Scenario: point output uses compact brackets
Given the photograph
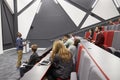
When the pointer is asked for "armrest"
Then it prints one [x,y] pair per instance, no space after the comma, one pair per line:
[73,76]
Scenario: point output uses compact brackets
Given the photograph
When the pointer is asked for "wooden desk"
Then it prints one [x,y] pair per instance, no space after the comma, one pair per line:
[37,72]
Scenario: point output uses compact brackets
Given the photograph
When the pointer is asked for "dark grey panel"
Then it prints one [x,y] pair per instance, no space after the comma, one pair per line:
[7,27]
[51,22]
[41,43]
[87,4]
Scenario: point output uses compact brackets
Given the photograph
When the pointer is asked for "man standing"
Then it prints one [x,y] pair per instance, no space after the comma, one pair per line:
[19,46]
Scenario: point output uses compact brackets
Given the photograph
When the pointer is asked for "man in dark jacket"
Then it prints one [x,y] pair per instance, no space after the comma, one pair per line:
[34,58]
[100,38]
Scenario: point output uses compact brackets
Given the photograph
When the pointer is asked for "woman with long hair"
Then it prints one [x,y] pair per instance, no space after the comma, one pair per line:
[62,61]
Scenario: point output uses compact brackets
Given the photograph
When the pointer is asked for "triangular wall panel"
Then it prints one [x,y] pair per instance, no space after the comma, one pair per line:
[22,3]
[10,4]
[90,21]
[73,12]
[26,18]
[105,9]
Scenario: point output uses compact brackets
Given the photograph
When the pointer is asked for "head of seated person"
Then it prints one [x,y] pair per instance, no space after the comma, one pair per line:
[110,22]
[119,21]
[34,48]
[66,37]
[34,58]
[76,42]
[60,50]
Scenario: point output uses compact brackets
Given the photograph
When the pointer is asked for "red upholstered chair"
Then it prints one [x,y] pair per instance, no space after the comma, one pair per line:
[87,34]
[103,28]
[105,35]
[78,57]
[94,36]
[108,38]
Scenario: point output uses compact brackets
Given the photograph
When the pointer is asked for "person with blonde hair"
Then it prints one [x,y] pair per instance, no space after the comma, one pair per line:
[62,61]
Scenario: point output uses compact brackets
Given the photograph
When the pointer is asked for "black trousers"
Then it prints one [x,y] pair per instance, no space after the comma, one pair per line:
[23,70]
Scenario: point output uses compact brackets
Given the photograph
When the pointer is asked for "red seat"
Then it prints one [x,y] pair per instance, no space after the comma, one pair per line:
[87,34]
[103,28]
[94,36]
[78,57]
[108,38]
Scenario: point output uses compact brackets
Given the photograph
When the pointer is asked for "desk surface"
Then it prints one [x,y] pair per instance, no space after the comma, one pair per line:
[109,63]
[37,72]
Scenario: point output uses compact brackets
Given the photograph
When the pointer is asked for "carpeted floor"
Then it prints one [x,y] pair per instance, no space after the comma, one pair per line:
[8,60]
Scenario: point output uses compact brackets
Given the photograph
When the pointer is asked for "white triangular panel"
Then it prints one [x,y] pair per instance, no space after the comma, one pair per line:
[10,4]
[105,9]
[73,12]
[22,3]
[26,18]
[89,21]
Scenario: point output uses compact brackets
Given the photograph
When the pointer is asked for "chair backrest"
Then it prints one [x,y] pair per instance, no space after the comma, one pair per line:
[117,27]
[108,38]
[95,74]
[85,66]
[87,34]
[116,39]
[78,57]
[94,36]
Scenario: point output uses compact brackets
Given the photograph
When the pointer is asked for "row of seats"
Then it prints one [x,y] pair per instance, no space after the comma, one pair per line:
[112,27]
[112,38]
[86,68]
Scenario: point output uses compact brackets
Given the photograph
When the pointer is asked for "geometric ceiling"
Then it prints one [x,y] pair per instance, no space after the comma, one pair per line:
[58,17]
[105,9]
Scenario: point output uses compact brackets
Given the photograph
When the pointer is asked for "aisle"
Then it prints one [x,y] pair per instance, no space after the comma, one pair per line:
[8,69]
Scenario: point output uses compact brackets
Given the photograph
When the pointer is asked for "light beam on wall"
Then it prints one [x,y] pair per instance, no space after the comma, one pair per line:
[39,6]
[55,1]
[10,5]
[94,3]
[116,3]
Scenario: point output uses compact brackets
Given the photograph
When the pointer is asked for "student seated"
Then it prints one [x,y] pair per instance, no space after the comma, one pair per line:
[34,58]
[110,22]
[67,40]
[73,49]
[62,63]
[100,38]
[91,35]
